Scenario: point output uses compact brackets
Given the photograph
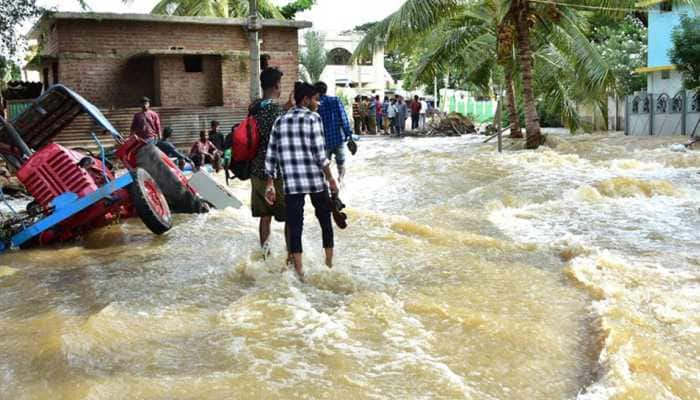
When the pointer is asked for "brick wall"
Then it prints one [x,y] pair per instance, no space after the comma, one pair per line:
[96,58]
[129,37]
[49,39]
[179,88]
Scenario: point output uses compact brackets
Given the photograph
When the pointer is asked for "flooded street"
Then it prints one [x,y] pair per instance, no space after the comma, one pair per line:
[554,274]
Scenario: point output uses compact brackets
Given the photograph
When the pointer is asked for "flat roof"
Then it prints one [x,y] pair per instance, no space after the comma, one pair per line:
[171,19]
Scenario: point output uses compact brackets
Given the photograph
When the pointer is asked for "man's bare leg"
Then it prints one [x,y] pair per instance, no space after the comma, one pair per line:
[290,257]
[264,231]
[298,266]
[329,257]
[341,172]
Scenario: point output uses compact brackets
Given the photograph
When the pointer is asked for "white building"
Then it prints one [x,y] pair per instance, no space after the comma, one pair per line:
[364,77]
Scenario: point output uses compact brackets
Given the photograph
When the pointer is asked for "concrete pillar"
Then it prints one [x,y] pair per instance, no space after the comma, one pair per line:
[378,66]
[254,27]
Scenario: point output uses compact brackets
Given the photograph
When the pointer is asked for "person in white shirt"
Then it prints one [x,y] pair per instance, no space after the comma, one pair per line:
[423,112]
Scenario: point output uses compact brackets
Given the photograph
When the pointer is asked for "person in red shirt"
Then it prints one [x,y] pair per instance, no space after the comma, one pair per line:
[415,112]
[146,123]
[203,151]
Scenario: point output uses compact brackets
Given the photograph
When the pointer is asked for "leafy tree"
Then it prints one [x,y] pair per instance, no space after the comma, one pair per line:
[314,57]
[521,26]
[685,53]
[623,45]
[229,8]
[12,14]
[290,10]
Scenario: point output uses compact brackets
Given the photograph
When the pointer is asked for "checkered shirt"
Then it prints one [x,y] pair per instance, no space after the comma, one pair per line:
[335,122]
[297,147]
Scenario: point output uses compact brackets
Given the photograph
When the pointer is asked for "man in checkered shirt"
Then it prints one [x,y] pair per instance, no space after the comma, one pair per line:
[297,147]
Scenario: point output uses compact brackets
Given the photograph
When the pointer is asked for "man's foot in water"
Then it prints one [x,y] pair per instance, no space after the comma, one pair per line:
[296,262]
[266,252]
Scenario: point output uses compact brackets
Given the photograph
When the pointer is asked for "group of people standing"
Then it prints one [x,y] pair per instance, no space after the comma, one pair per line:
[208,149]
[373,116]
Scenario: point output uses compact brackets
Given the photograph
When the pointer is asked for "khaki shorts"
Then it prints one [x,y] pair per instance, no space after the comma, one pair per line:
[259,205]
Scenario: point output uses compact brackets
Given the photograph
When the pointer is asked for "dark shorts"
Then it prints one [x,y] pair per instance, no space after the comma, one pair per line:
[259,205]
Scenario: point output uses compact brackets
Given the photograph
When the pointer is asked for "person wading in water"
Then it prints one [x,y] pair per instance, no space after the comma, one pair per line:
[297,148]
[336,127]
[266,111]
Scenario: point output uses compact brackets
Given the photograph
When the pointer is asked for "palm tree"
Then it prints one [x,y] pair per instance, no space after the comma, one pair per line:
[515,21]
[229,8]
[313,58]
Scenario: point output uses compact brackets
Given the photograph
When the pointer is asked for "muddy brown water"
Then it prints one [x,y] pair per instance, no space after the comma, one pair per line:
[553,274]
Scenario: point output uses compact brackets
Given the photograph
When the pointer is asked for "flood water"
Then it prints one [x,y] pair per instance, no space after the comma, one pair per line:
[553,274]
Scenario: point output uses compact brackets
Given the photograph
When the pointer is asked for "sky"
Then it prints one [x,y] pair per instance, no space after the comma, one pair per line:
[333,15]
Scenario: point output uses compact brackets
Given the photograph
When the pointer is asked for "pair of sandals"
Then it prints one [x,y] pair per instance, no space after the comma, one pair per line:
[337,206]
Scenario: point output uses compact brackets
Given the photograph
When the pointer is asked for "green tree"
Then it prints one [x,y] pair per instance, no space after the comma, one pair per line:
[12,14]
[685,53]
[314,57]
[623,45]
[229,8]
[516,22]
[289,11]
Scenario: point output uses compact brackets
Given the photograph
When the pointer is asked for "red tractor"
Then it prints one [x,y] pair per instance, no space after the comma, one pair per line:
[75,192]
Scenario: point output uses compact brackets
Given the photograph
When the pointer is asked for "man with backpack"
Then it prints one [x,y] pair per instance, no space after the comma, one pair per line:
[265,111]
[336,127]
[297,148]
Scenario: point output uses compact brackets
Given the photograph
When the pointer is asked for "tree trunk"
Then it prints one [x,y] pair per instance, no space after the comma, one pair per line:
[532,123]
[515,130]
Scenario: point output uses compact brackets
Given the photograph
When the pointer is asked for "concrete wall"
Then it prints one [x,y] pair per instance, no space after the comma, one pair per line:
[657,84]
[662,114]
[661,26]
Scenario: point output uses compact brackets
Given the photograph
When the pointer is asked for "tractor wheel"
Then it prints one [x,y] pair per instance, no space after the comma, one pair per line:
[149,202]
[170,180]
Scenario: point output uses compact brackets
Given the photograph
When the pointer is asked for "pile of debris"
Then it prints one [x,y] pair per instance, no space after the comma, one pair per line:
[10,185]
[452,124]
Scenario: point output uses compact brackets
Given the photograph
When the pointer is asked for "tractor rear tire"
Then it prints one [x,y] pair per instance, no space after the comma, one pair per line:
[180,199]
[149,202]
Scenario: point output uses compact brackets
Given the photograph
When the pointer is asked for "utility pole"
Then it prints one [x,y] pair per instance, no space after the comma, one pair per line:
[254,27]
[435,91]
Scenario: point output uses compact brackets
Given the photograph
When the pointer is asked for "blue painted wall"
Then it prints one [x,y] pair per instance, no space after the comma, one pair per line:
[661,26]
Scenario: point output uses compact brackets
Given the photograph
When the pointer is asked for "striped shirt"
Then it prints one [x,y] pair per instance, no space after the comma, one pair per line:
[297,147]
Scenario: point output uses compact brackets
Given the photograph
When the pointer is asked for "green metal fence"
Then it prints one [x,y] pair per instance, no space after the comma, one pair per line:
[16,107]
[481,111]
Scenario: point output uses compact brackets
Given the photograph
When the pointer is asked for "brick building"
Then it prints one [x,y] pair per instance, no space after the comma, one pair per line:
[194,69]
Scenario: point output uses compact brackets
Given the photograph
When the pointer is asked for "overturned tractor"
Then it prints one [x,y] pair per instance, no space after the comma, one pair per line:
[74,192]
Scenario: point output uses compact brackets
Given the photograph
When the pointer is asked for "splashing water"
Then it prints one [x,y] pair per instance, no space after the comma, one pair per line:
[553,274]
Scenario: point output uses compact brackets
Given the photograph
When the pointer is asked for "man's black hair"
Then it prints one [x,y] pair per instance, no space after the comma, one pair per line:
[321,87]
[270,77]
[215,123]
[303,90]
[167,132]
[264,61]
